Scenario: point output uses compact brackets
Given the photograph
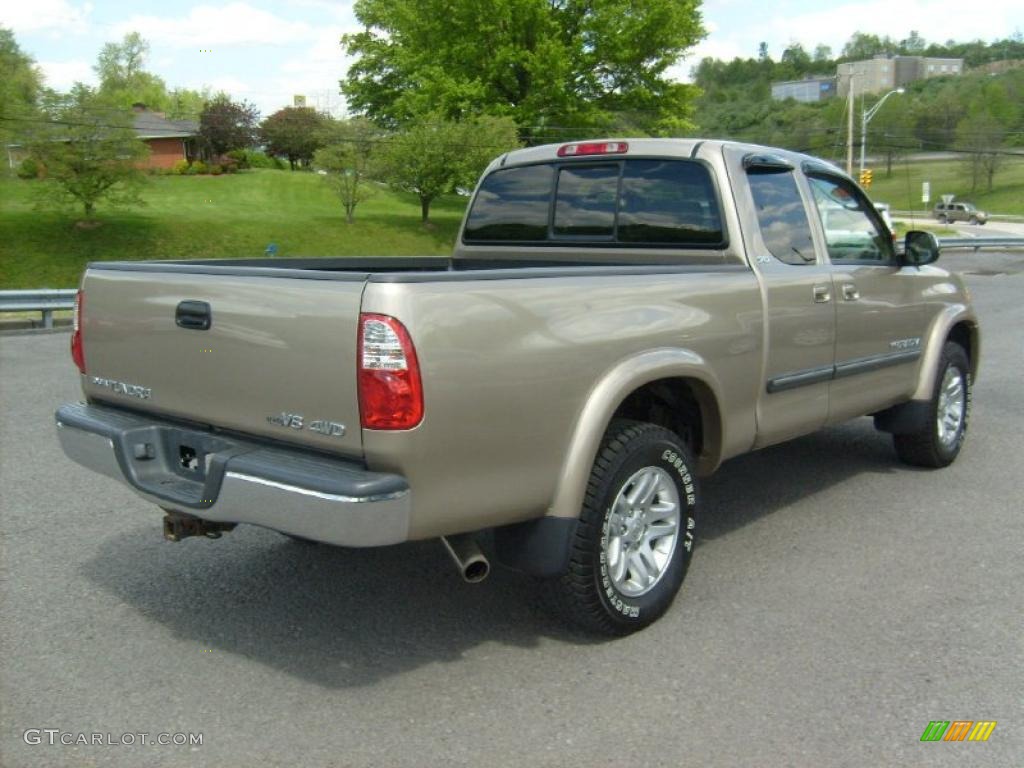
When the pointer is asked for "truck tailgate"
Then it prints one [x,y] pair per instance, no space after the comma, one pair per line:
[278,360]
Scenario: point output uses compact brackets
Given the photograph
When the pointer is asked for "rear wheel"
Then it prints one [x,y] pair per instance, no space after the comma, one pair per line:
[942,218]
[635,535]
[939,441]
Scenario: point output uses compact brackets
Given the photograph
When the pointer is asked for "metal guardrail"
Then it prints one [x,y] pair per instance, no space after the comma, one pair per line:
[981,242]
[45,300]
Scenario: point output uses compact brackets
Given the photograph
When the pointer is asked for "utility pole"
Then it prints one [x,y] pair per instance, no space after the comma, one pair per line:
[849,129]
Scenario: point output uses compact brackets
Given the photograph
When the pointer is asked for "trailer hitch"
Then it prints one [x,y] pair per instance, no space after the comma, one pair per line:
[178,526]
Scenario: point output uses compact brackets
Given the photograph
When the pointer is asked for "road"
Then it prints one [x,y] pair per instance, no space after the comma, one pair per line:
[837,603]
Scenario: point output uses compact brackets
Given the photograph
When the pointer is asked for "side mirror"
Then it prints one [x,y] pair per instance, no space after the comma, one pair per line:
[920,248]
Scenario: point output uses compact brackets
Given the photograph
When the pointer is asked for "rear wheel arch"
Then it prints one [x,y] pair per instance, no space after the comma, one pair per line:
[685,406]
[637,388]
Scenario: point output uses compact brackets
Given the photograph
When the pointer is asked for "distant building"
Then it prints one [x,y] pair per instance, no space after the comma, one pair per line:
[807,90]
[885,73]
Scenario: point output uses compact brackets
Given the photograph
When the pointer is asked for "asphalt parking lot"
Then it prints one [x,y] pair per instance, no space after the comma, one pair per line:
[838,602]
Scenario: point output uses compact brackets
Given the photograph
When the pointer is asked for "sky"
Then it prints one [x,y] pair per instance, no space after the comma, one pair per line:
[266,52]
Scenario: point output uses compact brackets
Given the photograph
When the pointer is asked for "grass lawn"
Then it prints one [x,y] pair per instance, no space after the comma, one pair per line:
[950,177]
[214,217]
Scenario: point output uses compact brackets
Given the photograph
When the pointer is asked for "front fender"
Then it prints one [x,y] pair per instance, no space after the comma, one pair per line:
[944,322]
[607,395]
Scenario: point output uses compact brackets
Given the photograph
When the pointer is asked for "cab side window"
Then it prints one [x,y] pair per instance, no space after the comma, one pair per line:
[852,232]
[785,228]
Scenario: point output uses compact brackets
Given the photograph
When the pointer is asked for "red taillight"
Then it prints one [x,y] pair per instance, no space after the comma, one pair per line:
[390,390]
[593,148]
[77,350]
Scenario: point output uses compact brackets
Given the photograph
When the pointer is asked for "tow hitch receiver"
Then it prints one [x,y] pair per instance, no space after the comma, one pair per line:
[178,526]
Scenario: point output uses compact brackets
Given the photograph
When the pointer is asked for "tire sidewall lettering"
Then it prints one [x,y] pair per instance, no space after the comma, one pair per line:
[669,459]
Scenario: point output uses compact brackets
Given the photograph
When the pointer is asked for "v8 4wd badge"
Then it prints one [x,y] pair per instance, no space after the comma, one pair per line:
[298,421]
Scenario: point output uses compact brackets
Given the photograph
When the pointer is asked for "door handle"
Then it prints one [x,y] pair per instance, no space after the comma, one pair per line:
[194,315]
[822,294]
[850,292]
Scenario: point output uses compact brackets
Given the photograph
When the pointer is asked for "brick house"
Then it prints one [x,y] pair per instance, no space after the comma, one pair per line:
[168,140]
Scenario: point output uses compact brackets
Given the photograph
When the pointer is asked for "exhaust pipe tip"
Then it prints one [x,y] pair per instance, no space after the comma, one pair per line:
[470,561]
[476,571]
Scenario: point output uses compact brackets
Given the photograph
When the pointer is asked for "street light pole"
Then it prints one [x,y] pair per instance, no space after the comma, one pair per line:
[865,118]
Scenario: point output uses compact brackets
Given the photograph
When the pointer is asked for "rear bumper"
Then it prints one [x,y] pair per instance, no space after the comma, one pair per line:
[224,479]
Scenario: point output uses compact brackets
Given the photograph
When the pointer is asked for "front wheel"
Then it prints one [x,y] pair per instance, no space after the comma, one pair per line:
[635,535]
[939,441]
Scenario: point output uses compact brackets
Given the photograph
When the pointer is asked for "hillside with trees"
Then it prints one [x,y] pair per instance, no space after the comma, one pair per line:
[979,113]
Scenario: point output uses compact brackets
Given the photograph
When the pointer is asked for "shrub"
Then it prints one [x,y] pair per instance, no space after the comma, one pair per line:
[28,169]
[180,167]
[241,158]
[216,170]
[197,167]
[263,160]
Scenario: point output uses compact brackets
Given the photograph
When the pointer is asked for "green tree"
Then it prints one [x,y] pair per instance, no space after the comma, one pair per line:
[347,161]
[20,88]
[123,79]
[294,132]
[434,156]
[549,64]
[913,44]
[225,125]
[89,152]
[981,136]
[797,58]
[863,46]
[186,104]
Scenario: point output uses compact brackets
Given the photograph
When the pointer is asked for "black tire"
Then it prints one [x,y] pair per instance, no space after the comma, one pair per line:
[926,448]
[585,594]
[974,220]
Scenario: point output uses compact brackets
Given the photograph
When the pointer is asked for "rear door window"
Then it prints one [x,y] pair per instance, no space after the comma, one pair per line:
[782,217]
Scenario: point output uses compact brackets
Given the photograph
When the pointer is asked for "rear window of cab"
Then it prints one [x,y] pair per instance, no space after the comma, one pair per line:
[642,202]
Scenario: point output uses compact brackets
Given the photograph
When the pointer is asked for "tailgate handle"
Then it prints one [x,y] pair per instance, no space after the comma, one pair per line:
[194,315]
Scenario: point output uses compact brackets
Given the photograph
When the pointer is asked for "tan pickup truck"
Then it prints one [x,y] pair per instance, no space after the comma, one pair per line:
[618,318]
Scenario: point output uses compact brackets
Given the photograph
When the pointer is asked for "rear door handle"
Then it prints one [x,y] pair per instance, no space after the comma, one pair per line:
[822,294]
[850,292]
[193,315]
